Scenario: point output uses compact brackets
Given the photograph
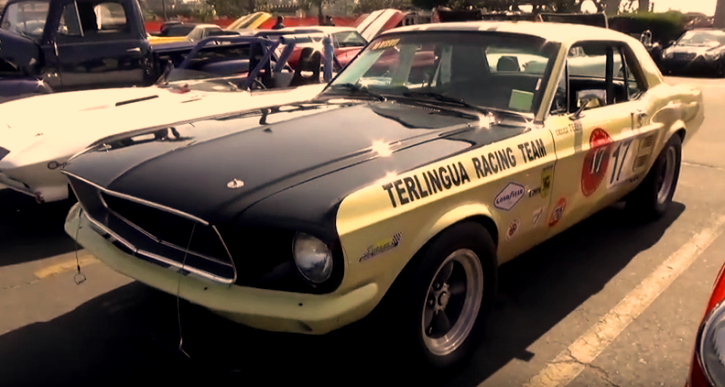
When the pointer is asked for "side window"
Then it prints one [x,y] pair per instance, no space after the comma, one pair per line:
[70,24]
[629,71]
[106,17]
[590,79]
[111,17]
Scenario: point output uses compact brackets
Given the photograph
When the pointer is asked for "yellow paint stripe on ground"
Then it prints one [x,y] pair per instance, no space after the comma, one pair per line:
[574,359]
[84,259]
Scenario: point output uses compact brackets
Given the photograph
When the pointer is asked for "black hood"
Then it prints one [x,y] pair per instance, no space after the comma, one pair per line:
[19,51]
[215,168]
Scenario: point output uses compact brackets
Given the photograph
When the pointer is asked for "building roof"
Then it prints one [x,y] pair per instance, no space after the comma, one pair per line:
[557,32]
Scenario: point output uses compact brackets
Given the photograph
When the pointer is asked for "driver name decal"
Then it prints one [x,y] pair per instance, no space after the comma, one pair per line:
[383,44]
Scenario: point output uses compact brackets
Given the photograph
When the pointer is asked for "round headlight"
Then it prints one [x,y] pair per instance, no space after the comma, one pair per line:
[313,258]
[712,347]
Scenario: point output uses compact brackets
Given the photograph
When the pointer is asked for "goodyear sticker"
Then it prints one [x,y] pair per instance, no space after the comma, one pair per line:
[382,246]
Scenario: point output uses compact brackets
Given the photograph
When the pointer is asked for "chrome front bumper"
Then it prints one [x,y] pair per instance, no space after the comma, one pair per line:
[263,309]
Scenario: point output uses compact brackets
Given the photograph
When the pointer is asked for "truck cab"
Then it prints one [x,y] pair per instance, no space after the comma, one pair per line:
[76,44]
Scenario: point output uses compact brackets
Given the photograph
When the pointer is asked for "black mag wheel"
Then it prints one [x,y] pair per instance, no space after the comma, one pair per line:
[435,311]
[649,201]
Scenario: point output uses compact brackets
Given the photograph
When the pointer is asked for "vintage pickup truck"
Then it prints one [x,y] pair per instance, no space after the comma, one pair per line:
[66,45]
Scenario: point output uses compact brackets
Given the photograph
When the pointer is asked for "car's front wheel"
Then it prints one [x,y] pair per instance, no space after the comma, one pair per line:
[650,200]
[443,296]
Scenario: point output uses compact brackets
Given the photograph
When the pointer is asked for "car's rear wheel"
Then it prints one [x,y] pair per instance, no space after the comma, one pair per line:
[650,200]
[440,302]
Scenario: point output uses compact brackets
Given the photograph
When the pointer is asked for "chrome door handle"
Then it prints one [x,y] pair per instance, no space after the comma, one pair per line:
[135,49]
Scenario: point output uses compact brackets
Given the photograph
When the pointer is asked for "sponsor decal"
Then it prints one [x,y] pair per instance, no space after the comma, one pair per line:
[596,161]
[446,177]
[382,246]
[558,212]
[426,183]
[546,176]
[509,196]
[536,217]
[513,228]
[383,44]
[574,127]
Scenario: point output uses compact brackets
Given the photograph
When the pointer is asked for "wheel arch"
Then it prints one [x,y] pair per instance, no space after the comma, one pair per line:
[476,213]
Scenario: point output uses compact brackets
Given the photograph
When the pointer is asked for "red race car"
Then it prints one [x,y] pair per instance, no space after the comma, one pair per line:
[708,363]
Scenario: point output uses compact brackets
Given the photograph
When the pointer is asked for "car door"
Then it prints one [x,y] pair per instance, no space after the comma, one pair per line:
[99,48]
[603,146]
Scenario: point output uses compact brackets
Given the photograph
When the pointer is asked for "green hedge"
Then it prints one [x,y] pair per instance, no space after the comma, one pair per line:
[665,26]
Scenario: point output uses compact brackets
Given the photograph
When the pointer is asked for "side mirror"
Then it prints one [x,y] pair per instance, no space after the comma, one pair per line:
[585,97]
[671,43]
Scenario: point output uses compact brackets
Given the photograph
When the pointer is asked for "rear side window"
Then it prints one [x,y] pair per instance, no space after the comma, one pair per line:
[87,17]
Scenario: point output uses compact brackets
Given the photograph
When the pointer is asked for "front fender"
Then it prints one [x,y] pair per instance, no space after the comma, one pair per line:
[17,88]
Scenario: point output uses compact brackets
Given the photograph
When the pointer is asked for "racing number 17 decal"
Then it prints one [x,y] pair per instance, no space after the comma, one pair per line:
[596,161]
[622,163]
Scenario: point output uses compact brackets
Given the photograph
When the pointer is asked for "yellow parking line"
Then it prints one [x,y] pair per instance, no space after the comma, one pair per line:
[573,360]
[84,259]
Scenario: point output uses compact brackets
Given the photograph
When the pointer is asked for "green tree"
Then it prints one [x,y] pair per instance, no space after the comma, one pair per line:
[232,8]
[319,5]
[367,6]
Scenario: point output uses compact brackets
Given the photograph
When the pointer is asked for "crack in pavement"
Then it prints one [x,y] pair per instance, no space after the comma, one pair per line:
[601,372]
[18,286]
[701,165]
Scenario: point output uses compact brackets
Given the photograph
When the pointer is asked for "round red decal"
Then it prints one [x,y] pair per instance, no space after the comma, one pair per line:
[596,161]
[558,212]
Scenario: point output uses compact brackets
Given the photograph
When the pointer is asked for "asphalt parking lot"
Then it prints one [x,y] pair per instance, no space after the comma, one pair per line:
[112,331]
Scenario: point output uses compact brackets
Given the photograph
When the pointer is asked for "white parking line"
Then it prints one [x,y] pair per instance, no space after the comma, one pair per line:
[575,358]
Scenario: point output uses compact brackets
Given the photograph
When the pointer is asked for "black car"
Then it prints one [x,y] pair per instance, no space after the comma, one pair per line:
[699,51]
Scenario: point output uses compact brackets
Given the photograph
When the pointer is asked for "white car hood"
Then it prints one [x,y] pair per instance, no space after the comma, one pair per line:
[56,126]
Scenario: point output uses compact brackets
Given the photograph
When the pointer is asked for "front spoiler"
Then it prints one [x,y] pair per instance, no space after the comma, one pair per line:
[263,309]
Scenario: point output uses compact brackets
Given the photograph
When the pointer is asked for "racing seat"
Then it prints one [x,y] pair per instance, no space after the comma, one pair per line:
[310,61]
[508,63]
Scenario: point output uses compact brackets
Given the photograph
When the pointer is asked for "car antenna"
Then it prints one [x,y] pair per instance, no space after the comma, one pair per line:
[79,277]
[178,292]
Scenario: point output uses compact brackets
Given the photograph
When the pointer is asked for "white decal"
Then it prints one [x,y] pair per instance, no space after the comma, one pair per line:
[537,216]
[509,196]
[627,158]
[513,228]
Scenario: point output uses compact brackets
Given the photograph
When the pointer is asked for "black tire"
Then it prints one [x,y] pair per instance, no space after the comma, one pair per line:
[650,200]
[404,306]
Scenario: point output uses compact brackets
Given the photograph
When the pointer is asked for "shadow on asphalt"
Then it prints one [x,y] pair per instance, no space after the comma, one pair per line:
[23,223]
[129,334]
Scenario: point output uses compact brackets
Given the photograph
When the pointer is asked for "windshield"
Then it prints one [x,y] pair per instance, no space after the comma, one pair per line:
[349,39]
[175,31]
[26,18]
[702,38]
[488,70]
[221,68]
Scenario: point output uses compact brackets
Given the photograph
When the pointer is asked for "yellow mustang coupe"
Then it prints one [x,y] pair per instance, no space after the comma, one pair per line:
[434,157]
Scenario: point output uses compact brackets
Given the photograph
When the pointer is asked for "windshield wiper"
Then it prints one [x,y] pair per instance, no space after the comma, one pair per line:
[458,101]
[441,97]
[357,88]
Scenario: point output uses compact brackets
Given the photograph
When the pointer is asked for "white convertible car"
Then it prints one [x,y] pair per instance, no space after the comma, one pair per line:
[38,134]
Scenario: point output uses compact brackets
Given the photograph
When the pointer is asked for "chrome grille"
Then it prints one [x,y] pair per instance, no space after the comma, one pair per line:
[683,56]
[155,234]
